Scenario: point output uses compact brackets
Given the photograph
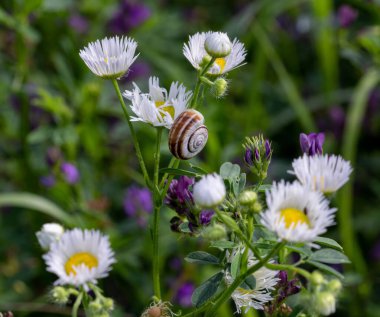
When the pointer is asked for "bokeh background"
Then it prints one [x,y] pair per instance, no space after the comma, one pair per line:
[312,65]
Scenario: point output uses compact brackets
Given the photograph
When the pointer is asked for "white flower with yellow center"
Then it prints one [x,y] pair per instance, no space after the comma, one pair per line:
[255,298]
[296,213]
[109,58]
[196,53]
[158,107]
[80,257]
[324,173]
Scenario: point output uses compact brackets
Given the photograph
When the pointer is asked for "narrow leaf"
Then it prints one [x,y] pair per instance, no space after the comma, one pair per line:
[235,265]
[206,290]
[178,171]
[223,244]
[326,242]
[201,257]
[330,256]
[326,268]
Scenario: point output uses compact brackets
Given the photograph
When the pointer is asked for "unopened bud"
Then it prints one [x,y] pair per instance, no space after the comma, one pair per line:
[214,232]
[220,87]
[257,207]
[248,198]
[205,61]
[325,303]
[108,303]
[334,286]
[317,278]
[95,306]
[218,45]
[49,233]
[60,295]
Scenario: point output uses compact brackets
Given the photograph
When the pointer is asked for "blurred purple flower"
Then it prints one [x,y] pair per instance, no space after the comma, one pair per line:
[138,203]
[312,143]
[129,15]
[137,70]
[78,23]
[53,156]
[205,217]
[346,15]
[47,181]
[70,173]
[375,252]
[183,296]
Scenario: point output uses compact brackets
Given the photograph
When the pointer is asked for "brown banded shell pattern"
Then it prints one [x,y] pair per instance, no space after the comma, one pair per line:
[188,135]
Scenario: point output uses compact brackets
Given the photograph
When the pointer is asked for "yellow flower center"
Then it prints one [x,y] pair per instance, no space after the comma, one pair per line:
[168,108]
[221,62]
[80,258]
[294,216]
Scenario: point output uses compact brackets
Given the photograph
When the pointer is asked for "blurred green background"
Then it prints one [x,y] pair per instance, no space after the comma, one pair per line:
[312,65]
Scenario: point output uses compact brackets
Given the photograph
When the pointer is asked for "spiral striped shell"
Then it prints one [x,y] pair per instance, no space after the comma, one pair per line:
[188,135]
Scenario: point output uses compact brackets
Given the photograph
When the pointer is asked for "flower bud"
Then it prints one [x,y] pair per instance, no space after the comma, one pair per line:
[218,45]
[312,143]
[209,191]
[50,232]
[205,61]
[95,306]
[60,295]
[248,198]
[334,286]
[214,232]
[220,87]
[257,207]
[108,303]
[258,154]
[317,278]
[324,303]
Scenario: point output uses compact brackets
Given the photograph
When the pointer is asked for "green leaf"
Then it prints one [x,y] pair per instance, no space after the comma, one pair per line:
[235,265]
[206,290]
[223,244]
[230,171]
[325,268]
[242,181]
[201,257]
[305,250]
[296,311]
[326,242]
[264,188]
[199,170]
[330,256]
[178,171]
[249,283]
[35,202]
[184,227]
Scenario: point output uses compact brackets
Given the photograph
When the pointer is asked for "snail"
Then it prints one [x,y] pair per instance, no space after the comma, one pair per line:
[188,135]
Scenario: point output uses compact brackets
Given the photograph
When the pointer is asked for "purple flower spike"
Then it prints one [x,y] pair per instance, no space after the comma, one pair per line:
[346,15]
[283,276]
[268,150]
[70,173]
[312,144]
[179,196]
[257,155]
[205,217]
[47,181]
[183,296]
[248,157]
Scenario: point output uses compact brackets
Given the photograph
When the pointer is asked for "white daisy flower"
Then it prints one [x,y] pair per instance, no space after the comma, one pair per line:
[158,107]
[196,53]
[80,257]
[109,58]
[295,213]
[266,280]
[209,191]
[324,173]
[49,233]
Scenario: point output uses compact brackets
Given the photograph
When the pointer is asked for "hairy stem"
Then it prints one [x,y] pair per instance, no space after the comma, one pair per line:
[77,303]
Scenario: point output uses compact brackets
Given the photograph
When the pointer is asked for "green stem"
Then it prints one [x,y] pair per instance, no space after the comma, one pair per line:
[228,292]
[156,218]
[133,133]
[172,162]
[194,99]
[286,267]
[169,179]
[77,304]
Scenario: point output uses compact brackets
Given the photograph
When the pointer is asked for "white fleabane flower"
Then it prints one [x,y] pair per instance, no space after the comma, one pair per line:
[158,107]
[80,257]
[196,53]
[296,213]
[218,44]
[109,58]
[324,173]
[209,191]
[255,298]
[49,233]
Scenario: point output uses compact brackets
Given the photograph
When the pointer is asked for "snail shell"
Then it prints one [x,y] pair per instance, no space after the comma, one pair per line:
[188,135]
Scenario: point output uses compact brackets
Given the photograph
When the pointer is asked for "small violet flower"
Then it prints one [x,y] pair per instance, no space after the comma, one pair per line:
[138,203]
[70,173]
[346,15]
[312,143]
[184,293]
[179,196]
[205,217]
[47,181]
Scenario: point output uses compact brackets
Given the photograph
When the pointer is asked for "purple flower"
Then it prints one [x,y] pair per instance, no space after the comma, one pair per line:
[78,23]
[183,296]
[205,217]
[138,203]
[137,70]
[179,196]
[70,173]
[375,252]
[47,181]
[248,156]
[346,15]
[129,15]
[268,150]
[312,144]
